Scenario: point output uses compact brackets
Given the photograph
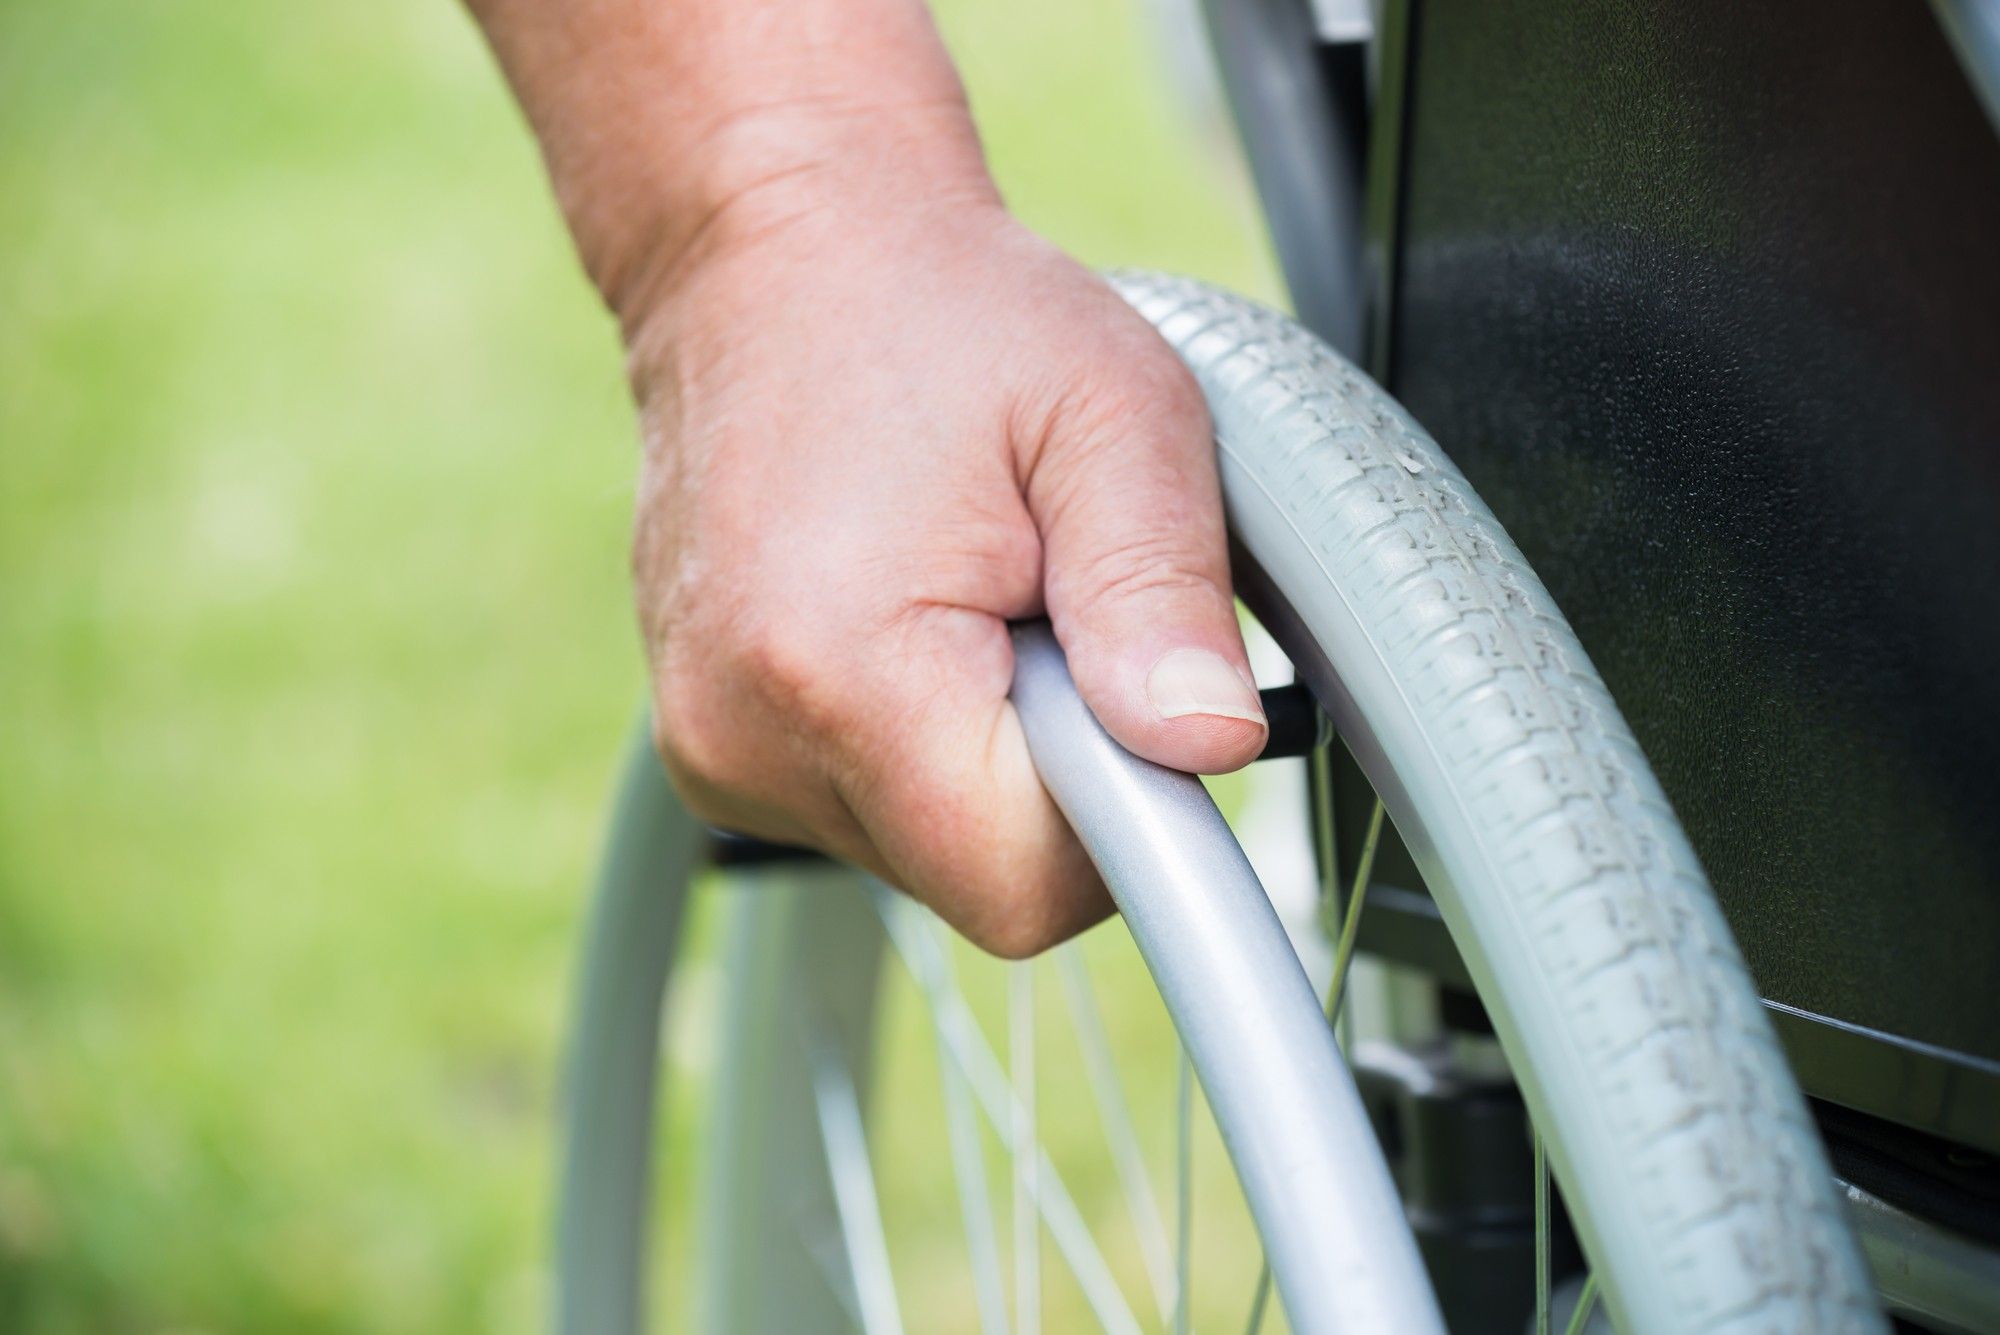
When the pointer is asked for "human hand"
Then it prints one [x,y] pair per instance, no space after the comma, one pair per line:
[877,429]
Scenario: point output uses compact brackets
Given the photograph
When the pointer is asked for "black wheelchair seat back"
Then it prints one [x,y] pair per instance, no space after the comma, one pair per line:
[1705,300]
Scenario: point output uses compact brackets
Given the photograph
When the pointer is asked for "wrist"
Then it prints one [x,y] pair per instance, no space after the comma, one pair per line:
[669,123]
[759,174]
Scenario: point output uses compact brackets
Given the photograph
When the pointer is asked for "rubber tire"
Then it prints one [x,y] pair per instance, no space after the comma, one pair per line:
[1698,1185]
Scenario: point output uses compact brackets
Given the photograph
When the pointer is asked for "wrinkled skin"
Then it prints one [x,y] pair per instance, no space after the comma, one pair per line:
[856,474]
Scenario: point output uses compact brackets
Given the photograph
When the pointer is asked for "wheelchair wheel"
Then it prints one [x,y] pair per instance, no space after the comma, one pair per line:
[1696,1183]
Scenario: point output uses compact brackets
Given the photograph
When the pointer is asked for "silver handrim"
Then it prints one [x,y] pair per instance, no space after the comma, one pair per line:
[1330,1217]
[792,1231]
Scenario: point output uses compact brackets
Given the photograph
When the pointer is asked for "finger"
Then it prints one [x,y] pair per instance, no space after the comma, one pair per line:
[1137,570]
[944,786]
[807,816]
[738,767]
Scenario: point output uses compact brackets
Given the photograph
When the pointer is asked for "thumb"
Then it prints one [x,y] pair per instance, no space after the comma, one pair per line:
[1136,571]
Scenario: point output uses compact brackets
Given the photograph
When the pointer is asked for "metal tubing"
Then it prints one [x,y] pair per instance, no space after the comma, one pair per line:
[1286,1105]
[1973,28]
[1924,1272]
[1301,109]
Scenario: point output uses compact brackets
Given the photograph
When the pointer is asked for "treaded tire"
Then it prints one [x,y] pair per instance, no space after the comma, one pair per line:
[1684,1149]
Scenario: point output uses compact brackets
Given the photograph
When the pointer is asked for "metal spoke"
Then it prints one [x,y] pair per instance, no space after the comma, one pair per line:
[1350,926]
[917,943]
[829,1258]
[1116,1118]
[1259,1300]
[1586,1302]
[854,1191]
[1023,1147]
[1541,1236]
[1319,779]
[968,1167]
[1184,1199]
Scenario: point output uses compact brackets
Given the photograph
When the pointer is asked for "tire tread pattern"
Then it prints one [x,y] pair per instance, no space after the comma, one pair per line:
[1691,1153]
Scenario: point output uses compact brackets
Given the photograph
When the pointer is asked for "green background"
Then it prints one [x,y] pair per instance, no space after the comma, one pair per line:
[315,656]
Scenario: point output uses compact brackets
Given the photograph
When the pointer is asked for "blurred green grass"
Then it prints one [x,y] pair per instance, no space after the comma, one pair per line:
[314,650]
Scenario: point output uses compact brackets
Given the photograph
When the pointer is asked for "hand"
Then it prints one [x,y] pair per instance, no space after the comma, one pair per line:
[879,425]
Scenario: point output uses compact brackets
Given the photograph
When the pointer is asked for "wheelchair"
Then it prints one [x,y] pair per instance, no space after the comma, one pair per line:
[1647,734]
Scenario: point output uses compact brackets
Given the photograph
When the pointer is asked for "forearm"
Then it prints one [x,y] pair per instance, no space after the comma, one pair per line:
[659,117]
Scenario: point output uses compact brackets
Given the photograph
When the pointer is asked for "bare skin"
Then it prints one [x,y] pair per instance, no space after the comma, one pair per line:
[881,420]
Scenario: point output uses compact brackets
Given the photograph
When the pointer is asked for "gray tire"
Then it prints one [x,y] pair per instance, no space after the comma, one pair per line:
[1683,1147]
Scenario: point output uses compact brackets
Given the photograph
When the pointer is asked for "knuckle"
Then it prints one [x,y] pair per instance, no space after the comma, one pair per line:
[1156,390]
[1018,936]
[781,662]
[1034,908]
[685,732]
[1143,393]
[703,800]
[1149,564]
[705,804]
[1174,393]
[745,694]
[1006,550]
